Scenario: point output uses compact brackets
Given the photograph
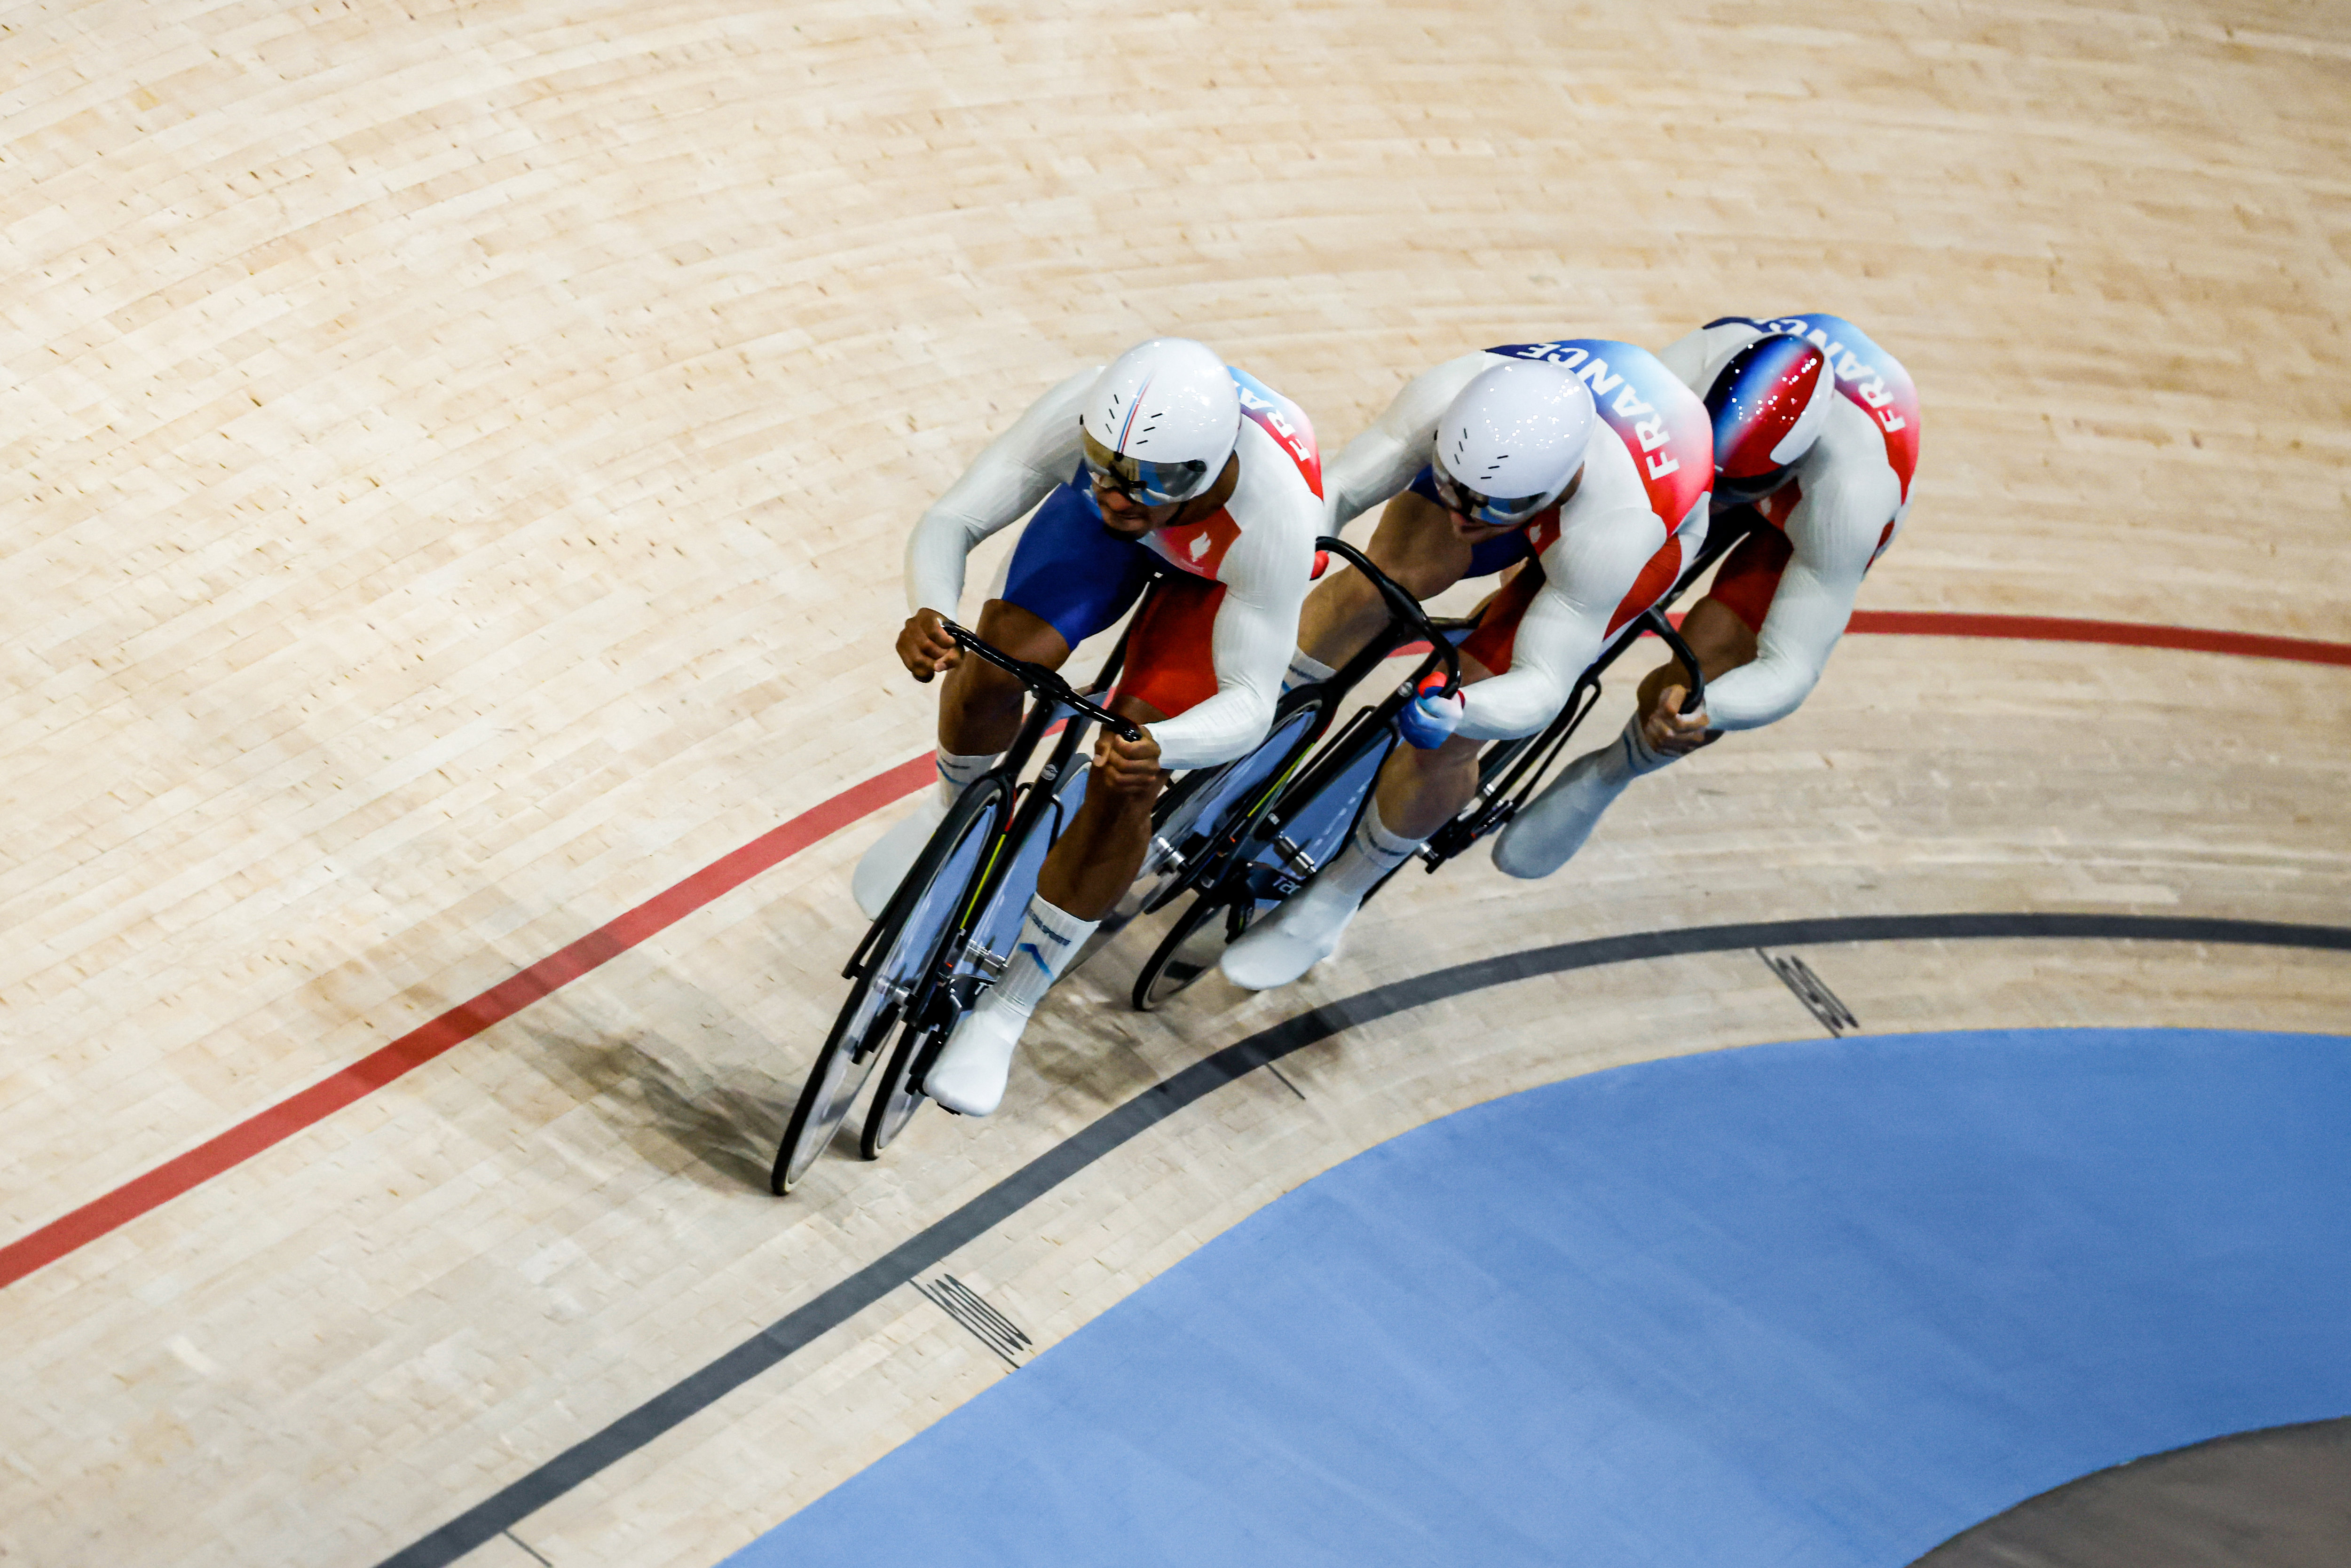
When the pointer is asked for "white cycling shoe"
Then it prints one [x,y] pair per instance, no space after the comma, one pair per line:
[1292,940]
[886,865]
[1545,835]
[977,1061]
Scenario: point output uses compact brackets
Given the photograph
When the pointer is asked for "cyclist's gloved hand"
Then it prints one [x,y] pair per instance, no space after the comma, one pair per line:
[1429,720]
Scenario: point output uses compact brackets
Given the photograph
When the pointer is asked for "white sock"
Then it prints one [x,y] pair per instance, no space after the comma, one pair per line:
[1304,669]
[1049,937]
[957,774]
[1371,854]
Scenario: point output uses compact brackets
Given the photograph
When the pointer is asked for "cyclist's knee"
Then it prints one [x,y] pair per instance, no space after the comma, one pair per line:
[1346,594]
[1425,768]
[975,683]
[1109,801]
[1422,573]
[1655,681]
[1023,634]
[1416,546]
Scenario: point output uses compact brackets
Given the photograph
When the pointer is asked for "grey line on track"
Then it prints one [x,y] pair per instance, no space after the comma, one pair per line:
[837,1304]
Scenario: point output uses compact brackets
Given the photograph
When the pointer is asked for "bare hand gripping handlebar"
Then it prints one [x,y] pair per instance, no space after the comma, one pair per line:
[1656,623]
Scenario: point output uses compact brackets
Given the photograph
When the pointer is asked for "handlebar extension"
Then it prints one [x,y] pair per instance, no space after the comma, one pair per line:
[1401,605]
[1045,683]
[1695,699]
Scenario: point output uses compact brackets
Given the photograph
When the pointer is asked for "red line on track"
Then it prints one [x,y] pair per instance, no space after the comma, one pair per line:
[454,1028]
[2060,629]
[502,1002]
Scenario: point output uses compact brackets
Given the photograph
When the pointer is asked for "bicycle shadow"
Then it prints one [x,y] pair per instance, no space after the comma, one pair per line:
[715,1125]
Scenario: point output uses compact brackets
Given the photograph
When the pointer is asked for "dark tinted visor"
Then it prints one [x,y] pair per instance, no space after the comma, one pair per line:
[1495,511]
[1148,484]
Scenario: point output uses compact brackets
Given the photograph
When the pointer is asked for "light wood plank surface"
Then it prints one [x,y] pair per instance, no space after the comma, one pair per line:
[459,458]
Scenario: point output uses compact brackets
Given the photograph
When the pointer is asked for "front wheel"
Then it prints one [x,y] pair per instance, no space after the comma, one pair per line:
[895,1102]
[904,951]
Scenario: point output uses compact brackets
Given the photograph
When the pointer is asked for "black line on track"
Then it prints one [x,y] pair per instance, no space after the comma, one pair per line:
[836,1305]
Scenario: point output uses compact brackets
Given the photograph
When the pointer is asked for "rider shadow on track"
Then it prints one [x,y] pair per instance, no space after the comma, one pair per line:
[1087,1042]
[715,1125]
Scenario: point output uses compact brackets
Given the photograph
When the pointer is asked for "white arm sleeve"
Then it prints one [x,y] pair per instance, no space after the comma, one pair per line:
[1252,645]
[1265,578]
[1382,461]
[1697,358]
[1834,530]
[1686,358]
[1586,575]
[1019,469]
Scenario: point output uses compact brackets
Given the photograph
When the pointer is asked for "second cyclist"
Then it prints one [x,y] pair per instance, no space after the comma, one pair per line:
[1583,466]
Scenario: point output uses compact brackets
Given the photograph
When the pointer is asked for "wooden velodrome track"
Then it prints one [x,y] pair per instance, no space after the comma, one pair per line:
[459,458]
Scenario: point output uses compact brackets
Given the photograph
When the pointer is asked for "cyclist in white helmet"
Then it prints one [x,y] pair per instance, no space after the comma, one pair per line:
[1582,467]
[1815,439]
[1167,455]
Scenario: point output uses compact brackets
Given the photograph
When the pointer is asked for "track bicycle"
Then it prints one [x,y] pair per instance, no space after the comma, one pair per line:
[1509,773]
[1206,817]
[1297,833]
[947,931]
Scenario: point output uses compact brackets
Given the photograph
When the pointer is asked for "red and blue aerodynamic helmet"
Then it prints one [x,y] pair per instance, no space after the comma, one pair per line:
[1768,405]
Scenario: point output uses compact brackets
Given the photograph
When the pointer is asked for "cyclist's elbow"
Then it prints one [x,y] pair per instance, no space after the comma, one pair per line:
[1252,718]
[1502,709]
[1761,692]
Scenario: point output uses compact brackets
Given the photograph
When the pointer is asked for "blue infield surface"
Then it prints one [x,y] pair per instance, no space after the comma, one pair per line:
[1822,1303]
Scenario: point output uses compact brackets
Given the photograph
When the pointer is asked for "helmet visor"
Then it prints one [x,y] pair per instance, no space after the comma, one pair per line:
[1494,511]
[1146,482]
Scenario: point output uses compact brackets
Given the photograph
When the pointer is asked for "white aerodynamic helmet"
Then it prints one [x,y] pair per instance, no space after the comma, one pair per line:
[1510,441]
[1160,421]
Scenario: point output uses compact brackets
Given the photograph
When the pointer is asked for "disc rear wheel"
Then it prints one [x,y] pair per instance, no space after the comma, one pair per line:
[1208,925]
[1184,845]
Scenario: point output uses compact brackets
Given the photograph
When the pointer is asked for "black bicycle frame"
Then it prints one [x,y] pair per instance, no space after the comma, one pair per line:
[1508,773]
[1054,696]
[1407,621]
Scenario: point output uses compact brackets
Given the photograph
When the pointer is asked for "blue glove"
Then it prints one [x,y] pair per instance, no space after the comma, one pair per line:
[1429,720]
